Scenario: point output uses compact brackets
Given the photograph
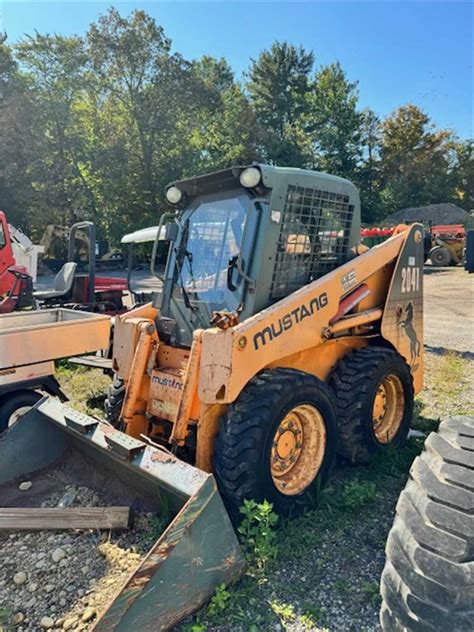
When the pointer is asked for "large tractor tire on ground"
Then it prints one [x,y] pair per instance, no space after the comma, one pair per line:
[114,401]
[440,256]
[374,400]
[277,442]
[14,405]
[428,580]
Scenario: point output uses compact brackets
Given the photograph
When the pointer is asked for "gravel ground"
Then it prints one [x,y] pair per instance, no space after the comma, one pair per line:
[449,309]
[63,580]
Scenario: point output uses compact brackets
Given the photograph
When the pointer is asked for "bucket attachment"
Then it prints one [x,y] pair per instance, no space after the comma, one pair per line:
[198,550]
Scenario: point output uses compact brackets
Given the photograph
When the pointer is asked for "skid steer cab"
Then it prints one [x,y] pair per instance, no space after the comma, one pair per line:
[277,339]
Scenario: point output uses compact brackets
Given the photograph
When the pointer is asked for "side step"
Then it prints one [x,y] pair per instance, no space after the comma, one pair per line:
[197,551]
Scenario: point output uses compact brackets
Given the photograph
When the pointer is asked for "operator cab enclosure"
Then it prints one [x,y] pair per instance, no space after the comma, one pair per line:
[249,236]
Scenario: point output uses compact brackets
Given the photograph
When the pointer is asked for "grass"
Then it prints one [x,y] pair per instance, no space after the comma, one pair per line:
[449,386]
[448,378]
[261,601]
[86,388]
[371,592]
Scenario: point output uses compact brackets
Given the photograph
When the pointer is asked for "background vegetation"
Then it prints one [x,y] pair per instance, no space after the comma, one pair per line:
[94,127]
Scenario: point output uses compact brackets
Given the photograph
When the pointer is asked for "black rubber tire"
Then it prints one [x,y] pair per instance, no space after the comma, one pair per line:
[355,381]
[440,256]
[243,445]
[428,580]
[12,402]
[114,401]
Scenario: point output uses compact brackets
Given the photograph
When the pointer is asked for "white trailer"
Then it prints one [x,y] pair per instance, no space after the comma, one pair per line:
[30,342]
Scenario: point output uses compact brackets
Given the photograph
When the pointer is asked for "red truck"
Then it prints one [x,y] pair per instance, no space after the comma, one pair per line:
[16,285]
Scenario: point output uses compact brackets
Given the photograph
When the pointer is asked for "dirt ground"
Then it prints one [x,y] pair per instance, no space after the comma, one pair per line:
[449,310]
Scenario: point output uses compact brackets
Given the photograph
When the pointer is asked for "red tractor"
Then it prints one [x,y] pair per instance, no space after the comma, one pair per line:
[84,290]
[72,288]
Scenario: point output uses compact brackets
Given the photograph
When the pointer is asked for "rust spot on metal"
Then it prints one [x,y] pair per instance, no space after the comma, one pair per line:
[163,457]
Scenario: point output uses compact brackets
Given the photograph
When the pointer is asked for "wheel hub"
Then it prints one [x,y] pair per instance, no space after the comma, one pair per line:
[380,404]
[388,408]
[298,449]
[286,448]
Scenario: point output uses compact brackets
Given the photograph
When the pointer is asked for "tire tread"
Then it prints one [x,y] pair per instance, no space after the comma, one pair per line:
[352,381]
[428,579]
[241,430]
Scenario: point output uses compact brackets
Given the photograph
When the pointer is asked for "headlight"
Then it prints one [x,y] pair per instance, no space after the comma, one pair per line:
[174,195]
[250,177]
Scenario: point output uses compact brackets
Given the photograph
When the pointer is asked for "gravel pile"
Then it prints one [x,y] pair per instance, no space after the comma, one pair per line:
[51,580]
[445,213]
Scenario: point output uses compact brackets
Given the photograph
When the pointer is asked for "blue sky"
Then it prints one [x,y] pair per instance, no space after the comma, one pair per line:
[399,51]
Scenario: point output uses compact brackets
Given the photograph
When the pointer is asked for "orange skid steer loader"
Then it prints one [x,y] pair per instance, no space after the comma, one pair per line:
[277,339]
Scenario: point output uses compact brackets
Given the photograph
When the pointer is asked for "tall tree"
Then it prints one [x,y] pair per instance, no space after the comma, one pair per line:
[416,160]
[215,74]
[336,122]
[463,173]
[279,83]
[18,139]
[55,67]
[135,69]
[368,171]
[96,127]
[227,132]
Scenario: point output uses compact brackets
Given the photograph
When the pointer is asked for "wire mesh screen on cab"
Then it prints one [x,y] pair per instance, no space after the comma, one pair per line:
[313,240]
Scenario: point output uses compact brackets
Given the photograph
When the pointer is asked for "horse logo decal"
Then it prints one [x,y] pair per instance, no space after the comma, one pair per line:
[405,321]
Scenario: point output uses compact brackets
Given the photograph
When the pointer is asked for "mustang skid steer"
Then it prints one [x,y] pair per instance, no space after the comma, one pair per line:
[276,341]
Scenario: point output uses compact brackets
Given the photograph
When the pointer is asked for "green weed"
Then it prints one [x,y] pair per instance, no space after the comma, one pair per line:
[314,613]
[357,493]
[258,536]
[86,388]
[371,593]
[195,627]
[5,614]
[284,611]
[343,588]
[307,621]
[396,461]
[157,524]
[420,421]
[219,602]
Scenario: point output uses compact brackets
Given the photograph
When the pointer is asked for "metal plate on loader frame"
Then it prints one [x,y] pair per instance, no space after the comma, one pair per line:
[124,445]
[78,421]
